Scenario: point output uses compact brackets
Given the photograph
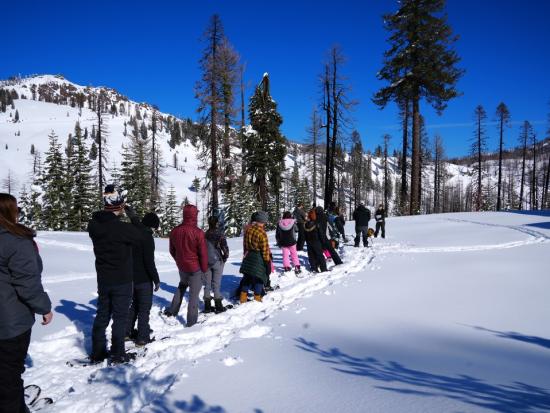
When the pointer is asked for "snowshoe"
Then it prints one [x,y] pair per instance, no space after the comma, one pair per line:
[83,362]
[124,359]
[32,393]
[40,404]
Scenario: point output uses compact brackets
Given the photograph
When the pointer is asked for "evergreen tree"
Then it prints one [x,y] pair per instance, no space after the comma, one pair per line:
[525,137]
[503,117]
[170,216]
[53,201]
[264,146]
[24,202]
[241,203]
[135,171]
[479,147]
[83,195]
[419,64]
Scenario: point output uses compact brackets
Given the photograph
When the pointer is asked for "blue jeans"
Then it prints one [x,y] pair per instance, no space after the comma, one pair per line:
[251,282]
[113,301]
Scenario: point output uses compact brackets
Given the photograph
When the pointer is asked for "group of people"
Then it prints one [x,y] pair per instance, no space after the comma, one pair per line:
[127,275]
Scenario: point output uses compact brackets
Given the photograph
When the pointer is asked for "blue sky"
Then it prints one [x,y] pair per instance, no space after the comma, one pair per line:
[150,51]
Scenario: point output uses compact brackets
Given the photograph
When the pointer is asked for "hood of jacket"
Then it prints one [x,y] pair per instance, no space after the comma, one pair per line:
[190,214]
[286,224]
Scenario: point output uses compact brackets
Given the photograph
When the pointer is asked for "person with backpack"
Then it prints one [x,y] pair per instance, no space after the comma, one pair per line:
[188,248]
[316,258]
[218,253]
[21,298]
[113,241]
[380,217]
[361,215]
[284,234]
[300,217]
[146,277]
[322,224]
[256,265]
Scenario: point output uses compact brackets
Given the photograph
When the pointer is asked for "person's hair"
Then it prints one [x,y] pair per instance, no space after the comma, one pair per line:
[212,222]
[287,215]
[312,215]
[337,210]
[8,217]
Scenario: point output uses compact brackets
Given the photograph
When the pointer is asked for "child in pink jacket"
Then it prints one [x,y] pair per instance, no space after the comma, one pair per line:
[285,236]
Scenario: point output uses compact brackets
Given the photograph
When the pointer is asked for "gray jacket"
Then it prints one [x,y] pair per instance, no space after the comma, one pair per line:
[299,215]
[21,292]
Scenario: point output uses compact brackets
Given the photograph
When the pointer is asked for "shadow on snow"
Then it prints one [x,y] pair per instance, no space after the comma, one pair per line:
[516,398]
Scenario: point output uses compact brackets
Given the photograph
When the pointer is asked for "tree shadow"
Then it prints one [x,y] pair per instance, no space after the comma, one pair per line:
[543,225]
[540,213]
[538,341]
[516,398]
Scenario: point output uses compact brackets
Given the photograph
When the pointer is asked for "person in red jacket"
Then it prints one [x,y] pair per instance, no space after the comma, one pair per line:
[188,247]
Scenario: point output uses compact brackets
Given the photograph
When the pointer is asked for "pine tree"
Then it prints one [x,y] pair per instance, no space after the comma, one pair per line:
[479,147]
[419,64]
[16,119]
[170,215]
[503,118]
[24,202]
[135,171]
[264,146]
[53,201]
[387,181]
[83,195]
[241,203]
[525,136]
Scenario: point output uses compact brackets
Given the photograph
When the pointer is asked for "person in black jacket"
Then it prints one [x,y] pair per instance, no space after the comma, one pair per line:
[300,216]
[317,262]
[146,277]
[21,297]
[325,242]
[361,215]
[113,241]
[380,217]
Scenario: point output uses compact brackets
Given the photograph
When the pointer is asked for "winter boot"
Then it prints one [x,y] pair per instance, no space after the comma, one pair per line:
[243,297]
[297,270]
[219,308]
[207,305]
[258,297]
[287,269]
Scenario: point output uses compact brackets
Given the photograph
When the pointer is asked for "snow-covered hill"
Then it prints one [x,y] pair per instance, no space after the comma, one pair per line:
[449,313]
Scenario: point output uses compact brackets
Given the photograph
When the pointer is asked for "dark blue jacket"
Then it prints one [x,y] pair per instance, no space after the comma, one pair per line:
[21,292]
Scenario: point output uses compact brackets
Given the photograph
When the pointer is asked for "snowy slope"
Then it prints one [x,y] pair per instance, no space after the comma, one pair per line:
[448,314]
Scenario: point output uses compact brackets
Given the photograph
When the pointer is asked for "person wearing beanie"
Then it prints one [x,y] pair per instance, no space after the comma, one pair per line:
[146,277]
[256,265]
[113,241]
[218,253]
[188,248]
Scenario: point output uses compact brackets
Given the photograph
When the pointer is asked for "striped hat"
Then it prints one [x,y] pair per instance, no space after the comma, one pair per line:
[113,198]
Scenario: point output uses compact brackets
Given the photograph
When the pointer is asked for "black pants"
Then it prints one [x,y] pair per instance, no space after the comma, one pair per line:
[316,257]
[380,225]
[333,254]
[142,301]
[12,365]
[301,237]
[113,301]
[361,231]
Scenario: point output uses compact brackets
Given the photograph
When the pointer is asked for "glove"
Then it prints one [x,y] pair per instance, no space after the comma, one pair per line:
[156,287]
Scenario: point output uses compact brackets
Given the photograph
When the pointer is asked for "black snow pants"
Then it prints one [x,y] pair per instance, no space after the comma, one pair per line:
[142,301]
[13,352]
[380,226]
[316,257]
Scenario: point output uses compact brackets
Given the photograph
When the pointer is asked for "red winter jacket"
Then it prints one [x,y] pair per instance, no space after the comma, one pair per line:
[188,244]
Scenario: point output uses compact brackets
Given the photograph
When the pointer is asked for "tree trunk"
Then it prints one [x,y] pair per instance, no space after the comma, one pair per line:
[328,194]
[213,126]
[499,191]
[534,186]
[100,147]
[404,186]
[520,207]
[545,203]
[414,207]
[478,195]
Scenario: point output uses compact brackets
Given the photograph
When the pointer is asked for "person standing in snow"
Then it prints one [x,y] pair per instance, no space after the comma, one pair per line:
[256,265]
[286,228]
[21,297]
[322,225]
[380,217]
[315,254]
[146,277]
[188,247]
[361,216]
[340,222]
[218,253]
[300,217]
[113,241]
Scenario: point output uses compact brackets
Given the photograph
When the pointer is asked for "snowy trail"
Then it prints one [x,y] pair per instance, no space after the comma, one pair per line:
[168,358]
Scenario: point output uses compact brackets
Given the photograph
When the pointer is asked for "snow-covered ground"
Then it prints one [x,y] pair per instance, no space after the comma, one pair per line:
[448,314]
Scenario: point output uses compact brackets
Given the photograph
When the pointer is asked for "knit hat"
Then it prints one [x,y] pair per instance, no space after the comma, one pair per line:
[114,199]
[261,216]
[151,220]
